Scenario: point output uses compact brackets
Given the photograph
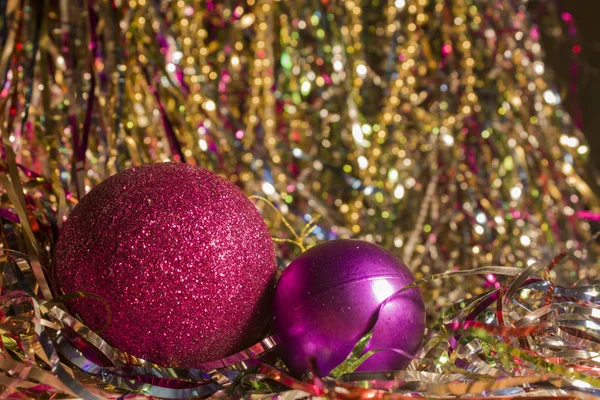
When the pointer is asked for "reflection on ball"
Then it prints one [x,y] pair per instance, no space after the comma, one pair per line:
[328,298]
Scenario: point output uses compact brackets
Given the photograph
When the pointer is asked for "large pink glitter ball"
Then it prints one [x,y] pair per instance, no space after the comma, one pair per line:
[182,257]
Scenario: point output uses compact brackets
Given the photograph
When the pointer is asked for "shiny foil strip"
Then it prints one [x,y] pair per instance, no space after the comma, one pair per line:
[75,361]
[527,337]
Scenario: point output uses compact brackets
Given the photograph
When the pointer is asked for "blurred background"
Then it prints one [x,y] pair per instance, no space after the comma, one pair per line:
[587,93]
[425,126]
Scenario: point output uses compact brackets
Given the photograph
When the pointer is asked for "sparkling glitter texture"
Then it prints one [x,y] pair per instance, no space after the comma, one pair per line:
[182,257]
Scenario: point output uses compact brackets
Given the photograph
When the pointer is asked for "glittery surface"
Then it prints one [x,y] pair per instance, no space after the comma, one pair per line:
[329,297]
[181,255]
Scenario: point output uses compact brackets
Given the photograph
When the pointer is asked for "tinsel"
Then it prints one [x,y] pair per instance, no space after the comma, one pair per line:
[428,126]
[526,337]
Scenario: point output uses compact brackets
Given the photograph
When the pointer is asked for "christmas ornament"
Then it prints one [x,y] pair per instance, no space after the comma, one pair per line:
[182,257]
[328,298]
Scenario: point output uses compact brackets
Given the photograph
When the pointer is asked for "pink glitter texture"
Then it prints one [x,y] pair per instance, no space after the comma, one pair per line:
[182,257]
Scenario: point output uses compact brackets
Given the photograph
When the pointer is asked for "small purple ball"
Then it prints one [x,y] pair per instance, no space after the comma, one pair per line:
[327,299]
